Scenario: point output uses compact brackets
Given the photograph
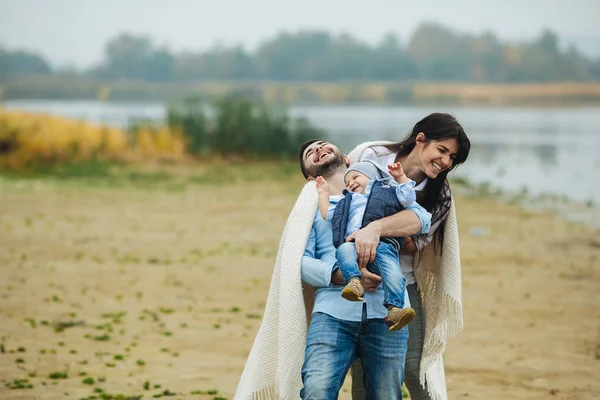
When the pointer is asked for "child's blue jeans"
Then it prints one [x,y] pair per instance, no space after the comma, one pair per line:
[386,265]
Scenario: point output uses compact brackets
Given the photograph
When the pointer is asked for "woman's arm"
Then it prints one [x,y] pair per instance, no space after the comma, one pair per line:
[405,223]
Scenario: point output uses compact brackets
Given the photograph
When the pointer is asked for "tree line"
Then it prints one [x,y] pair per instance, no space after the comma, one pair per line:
[433,53]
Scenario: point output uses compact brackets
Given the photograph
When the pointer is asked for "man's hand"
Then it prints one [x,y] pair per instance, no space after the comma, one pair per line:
[337,278]
[366,240]
[369,280]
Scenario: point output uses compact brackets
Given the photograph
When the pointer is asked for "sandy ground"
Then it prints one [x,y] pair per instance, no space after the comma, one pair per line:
[160,290]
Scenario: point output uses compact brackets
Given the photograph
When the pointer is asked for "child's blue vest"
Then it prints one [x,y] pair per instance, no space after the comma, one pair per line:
[382,202]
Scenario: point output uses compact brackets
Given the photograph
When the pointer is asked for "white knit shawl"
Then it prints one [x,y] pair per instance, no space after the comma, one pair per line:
[273,367]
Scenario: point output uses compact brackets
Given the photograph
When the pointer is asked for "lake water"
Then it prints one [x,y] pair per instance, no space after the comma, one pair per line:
[541,151]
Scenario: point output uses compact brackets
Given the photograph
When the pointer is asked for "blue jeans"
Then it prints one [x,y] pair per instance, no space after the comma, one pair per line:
[386,265]
[333,344]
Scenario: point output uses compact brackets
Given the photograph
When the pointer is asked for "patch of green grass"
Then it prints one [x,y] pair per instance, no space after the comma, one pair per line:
[31,322]
[110,396]
[164,393]
[60,326]
[19,384]
[58,375]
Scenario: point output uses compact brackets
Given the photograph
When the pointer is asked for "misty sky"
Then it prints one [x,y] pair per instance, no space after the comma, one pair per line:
[74,31]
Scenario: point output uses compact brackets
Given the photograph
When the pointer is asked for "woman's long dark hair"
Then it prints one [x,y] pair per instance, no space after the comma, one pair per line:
[435,198]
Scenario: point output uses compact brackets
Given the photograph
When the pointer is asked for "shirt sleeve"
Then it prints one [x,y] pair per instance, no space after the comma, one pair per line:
[313,271]
[330,212]
[405,192]
[424,217]
[369,187]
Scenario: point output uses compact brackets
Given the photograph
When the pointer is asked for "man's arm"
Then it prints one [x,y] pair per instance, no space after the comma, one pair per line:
[315,272]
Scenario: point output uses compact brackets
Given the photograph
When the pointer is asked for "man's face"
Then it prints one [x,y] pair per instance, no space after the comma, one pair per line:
[322,159]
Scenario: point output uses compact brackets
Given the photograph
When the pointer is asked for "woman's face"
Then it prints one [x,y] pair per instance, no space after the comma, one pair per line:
[437,155]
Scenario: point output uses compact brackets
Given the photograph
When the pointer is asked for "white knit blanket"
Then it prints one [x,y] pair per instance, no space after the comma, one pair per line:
[273,368]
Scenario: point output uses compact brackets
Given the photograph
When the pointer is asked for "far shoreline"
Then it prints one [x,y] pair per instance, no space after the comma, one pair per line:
[298,93]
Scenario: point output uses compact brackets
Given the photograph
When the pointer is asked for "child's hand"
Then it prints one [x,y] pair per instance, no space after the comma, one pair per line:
[396,170]
[322,185]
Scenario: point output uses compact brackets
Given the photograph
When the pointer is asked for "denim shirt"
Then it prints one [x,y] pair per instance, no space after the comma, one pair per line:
[319,262]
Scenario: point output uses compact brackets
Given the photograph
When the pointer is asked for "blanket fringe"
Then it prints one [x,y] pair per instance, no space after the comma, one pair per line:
[264,394]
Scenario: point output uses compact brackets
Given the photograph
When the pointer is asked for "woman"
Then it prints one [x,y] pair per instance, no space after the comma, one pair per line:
[431,263]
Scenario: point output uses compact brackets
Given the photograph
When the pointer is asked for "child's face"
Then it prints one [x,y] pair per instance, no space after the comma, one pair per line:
[356,182]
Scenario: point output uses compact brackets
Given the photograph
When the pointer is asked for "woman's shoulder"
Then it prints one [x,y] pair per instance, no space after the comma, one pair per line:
[375,153]
[370,149]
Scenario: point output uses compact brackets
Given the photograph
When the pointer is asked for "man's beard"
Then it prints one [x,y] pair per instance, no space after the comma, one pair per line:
[328,169]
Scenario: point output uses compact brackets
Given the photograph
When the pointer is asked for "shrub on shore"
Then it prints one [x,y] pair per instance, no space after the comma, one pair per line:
[235,126]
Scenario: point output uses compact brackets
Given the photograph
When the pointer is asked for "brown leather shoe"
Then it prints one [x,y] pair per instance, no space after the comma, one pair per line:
[398,318]
[354,290]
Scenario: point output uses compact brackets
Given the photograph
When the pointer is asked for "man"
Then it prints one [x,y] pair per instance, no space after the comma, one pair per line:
[341,331]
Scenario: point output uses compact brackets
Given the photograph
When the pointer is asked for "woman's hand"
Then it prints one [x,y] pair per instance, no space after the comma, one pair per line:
[366,240]
[409,246]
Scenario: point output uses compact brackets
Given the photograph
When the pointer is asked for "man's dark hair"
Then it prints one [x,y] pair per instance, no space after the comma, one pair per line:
[303,147]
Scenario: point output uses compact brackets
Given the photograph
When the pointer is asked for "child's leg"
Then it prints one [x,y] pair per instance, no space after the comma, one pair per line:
[387,265]
[347,261]
[394,287]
